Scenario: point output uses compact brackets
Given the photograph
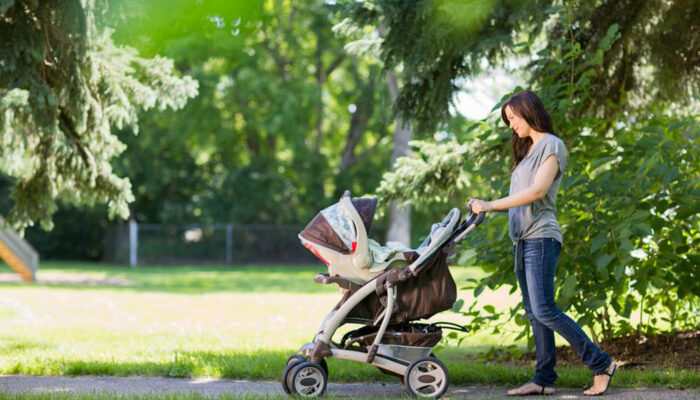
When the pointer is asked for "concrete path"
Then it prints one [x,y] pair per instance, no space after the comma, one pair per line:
[16,384]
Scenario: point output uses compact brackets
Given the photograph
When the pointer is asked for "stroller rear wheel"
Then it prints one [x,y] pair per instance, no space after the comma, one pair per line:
[307,379]
[427,377]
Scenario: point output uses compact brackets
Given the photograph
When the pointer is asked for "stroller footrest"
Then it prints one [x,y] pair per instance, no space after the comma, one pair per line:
[326,279]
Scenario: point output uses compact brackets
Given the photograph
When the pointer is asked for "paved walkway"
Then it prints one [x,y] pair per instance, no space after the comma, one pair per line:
[15,384]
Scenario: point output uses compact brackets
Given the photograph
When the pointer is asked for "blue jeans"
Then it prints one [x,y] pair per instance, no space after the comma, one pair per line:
[536,280]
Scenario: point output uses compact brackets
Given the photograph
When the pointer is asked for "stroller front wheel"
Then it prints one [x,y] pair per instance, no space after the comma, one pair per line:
[295,358]
[307,379]
[292,362]
[427,377]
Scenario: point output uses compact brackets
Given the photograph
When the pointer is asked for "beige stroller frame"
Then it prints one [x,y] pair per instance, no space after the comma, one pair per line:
[411,284]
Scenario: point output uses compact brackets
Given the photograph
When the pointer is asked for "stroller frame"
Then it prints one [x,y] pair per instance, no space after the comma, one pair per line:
[306,373]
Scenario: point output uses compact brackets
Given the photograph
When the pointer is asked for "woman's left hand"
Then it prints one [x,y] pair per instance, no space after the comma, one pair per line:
[478,206]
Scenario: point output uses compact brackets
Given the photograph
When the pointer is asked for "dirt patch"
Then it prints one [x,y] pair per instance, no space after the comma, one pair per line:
[678,350]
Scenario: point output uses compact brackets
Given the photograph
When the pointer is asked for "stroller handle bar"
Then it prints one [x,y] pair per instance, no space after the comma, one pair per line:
[475,219]
[472,221]
[393,276]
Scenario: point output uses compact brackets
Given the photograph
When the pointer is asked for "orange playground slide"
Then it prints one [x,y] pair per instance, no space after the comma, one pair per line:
[17,253]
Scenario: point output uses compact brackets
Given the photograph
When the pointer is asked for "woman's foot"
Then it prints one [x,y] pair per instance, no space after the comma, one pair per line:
[601,382]
[529,389]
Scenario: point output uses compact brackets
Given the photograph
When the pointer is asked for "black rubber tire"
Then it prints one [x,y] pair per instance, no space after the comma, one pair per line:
[324,365]
[440,365]
[298,368]
[297,357]
[292,361]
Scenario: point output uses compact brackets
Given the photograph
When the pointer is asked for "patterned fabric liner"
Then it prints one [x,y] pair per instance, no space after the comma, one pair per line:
[342,224]
[333,227]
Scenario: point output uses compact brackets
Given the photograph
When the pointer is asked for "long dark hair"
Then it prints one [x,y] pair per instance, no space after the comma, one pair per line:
[528,106]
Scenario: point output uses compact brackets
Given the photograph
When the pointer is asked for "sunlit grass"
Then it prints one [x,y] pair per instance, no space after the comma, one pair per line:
[229,322]
[181,279]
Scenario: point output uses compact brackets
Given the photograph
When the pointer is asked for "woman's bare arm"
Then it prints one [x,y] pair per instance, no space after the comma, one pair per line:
[543,181]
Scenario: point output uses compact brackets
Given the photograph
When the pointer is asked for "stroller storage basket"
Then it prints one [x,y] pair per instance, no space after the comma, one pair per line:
[415,335]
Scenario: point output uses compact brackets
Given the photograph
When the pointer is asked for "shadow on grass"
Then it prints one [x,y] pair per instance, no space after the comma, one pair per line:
[268,365]
[179,279]
[190,279]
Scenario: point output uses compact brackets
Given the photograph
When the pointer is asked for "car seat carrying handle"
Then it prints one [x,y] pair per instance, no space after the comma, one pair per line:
[362,257]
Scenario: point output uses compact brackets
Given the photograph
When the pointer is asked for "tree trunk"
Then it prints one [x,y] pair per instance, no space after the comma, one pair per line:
[399,216]
[319,101]
[358,122]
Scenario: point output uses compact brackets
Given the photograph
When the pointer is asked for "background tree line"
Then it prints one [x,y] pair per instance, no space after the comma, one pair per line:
[283,121]
[267,111]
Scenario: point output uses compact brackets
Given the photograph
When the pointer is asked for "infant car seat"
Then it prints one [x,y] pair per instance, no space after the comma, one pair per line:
[338,236]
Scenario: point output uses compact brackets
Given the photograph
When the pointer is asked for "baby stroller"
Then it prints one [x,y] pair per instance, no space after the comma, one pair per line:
[385,288]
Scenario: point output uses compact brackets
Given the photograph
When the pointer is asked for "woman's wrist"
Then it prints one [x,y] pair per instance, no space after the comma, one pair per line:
[490,206]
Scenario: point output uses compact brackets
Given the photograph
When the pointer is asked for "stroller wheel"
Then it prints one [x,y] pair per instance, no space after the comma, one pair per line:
[427,377]
[295,357]
[324,365]
[292,362]
[307,380]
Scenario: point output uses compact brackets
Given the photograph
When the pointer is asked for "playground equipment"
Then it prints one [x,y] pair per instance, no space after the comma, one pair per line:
[17,253]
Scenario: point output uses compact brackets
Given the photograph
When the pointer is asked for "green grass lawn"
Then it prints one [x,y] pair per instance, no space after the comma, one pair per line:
[232,322]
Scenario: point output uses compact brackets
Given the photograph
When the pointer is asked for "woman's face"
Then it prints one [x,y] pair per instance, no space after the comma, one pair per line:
[517,123]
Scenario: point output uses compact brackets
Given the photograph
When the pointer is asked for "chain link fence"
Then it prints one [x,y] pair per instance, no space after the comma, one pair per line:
[146,244]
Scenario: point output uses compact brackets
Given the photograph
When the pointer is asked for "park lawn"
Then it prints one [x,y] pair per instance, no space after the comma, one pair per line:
[228,322]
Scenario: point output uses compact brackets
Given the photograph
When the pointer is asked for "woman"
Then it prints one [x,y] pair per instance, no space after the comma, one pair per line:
[539,160]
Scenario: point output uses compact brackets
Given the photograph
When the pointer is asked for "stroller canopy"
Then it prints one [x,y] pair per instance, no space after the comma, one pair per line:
[333,227]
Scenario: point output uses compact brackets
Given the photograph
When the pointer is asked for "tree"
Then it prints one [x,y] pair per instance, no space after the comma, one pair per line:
[399,214]
[630,226]
[436,42]
[285,120]
[64,85]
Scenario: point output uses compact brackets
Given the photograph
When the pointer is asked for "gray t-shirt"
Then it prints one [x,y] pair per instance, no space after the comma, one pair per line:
[537,219]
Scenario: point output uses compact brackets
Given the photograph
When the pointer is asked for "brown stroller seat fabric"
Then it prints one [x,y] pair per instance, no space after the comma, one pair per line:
[417,335]
[433,290]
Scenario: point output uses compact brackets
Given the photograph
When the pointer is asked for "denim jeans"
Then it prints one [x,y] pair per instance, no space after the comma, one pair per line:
[536,280]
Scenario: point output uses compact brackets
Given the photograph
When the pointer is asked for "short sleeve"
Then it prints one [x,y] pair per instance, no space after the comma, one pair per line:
[556,147]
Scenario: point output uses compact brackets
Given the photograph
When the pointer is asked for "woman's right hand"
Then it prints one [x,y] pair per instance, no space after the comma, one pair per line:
[478,206]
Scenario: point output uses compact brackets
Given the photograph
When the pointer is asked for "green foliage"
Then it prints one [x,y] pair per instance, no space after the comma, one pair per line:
[436,169]
[434,41]
[652,59]
[69,240]
[285,120]
[153,26]
[67,84]
[628,202]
